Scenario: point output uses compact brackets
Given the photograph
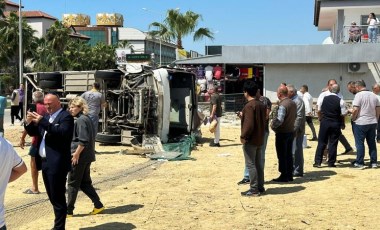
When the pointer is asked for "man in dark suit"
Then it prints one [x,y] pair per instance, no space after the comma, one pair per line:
[55,131]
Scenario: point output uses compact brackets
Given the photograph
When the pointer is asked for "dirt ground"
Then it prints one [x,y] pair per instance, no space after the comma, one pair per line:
[202,193]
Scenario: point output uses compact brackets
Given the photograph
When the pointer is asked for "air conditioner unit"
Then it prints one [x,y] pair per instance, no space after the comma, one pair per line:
[356,67]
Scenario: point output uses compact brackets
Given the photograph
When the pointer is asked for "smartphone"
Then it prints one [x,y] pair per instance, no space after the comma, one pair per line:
[32,108]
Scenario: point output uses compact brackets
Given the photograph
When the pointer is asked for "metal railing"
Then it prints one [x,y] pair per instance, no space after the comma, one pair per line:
[344,35]
[230,102]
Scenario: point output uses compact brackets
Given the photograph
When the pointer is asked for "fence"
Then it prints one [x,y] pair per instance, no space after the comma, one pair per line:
[344,36]
[230,102]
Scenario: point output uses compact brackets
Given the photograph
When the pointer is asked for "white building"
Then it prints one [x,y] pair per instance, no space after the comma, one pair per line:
[37,20]
[142,42]
[312,65]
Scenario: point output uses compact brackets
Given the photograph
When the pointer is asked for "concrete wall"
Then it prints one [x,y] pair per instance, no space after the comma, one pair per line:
[313,75]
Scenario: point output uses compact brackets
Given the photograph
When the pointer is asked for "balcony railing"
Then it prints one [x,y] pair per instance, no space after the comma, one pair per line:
[344,36]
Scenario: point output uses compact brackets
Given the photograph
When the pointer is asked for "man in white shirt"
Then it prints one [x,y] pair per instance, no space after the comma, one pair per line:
[11,168]
[308,100]
[325,92]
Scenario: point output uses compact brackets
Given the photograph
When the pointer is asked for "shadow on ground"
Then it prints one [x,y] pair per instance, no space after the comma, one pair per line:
[311,176]
[283,190]
[117,210]
[113,225]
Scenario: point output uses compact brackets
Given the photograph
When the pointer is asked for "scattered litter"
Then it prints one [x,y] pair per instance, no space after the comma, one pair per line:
[224,155]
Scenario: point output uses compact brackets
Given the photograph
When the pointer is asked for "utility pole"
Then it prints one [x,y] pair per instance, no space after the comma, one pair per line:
[21,63]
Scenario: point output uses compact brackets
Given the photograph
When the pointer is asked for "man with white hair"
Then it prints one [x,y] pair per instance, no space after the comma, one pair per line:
[299,131]
[331,115]
[38,99]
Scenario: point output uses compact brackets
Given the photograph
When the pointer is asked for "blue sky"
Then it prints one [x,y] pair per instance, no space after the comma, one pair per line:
[235,22]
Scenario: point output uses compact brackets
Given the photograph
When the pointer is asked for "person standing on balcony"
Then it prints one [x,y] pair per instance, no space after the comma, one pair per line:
[372,22]
[355,33]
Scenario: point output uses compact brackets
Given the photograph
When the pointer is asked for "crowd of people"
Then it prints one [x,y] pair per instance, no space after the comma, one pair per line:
[63,144]
[63,148]
[293,111]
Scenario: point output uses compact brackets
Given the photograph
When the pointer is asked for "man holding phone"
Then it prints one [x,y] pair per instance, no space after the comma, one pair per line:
[39,107]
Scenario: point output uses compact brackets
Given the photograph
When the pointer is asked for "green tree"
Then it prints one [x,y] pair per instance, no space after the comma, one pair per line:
[9,49]
[103,56]
[2,8]
[176,26]
[58,38]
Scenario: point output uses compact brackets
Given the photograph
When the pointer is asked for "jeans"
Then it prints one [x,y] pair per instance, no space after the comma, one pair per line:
[378,131]
[252,156]
[284,144]
[298,154]
[3,228]
[367,132]
[263,148]
[372,34]
[95,122]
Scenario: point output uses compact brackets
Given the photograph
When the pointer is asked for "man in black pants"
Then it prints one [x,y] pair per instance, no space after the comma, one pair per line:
[283,125]
[331,116]
[55,132]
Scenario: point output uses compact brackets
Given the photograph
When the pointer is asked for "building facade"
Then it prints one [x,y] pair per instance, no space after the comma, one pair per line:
[313,65]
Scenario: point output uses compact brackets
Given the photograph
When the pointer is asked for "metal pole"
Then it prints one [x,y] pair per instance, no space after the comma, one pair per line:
[160,48]
[21,63]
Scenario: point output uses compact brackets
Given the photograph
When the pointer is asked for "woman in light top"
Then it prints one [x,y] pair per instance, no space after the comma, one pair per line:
[372,22]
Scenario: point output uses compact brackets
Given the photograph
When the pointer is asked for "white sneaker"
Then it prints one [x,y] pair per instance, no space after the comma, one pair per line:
[374,165]
[359,166]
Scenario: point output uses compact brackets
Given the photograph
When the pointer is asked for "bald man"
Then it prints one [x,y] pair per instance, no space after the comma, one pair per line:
[55,132]
[283,125]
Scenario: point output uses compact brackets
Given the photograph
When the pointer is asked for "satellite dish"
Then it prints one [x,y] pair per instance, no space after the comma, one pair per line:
[354,67]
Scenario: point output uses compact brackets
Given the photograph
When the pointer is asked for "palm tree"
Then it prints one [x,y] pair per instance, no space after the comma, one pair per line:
[9,37]
[2,8]
[176,26]
[58,37]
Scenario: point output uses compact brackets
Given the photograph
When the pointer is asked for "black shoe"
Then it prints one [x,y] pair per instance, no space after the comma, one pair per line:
[331,165]
[347,151]
[212,144]
[313,139]
[280,179]
[317,166]
[297,174]
[250,193]
[290,178]
[261,190]
[244,181]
